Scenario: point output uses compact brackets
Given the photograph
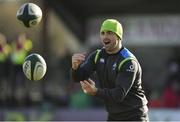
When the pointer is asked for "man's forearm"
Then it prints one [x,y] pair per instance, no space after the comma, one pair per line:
[74,76]
[79,75]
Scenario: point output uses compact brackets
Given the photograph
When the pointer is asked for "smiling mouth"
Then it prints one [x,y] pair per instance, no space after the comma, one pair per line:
[106,43]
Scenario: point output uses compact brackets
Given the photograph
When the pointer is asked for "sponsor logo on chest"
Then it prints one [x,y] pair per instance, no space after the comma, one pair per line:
[102,60]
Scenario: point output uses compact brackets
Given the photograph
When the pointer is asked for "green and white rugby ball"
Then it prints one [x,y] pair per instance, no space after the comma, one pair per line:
[34,67]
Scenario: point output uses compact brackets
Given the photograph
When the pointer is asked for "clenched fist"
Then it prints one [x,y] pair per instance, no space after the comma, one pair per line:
[77,59]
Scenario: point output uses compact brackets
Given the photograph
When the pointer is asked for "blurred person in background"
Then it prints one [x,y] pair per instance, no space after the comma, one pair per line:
[119,75]
[20,49]
[78,100]
[5,50]
[171,93]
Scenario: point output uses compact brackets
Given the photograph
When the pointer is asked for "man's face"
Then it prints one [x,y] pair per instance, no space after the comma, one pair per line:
[109,40]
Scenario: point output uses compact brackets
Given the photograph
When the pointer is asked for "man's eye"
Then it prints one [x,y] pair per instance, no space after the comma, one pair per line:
[109,32]
[102,32]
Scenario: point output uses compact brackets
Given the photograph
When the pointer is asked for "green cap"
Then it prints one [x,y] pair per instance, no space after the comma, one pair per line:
[112,25]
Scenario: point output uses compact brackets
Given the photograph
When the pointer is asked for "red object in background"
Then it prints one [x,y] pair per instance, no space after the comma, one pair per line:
[155,103]
[19,46]
[170,98]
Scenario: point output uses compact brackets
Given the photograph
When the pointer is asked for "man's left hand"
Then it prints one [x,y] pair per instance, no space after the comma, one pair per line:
[89,87]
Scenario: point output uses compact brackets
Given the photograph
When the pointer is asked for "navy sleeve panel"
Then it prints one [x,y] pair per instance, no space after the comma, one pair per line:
[123,83]
[85,69]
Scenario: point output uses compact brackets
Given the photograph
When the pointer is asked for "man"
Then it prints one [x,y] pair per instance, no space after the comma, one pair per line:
[119,75]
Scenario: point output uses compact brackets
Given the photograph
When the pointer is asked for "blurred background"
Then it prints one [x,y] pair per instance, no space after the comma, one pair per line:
[151,31]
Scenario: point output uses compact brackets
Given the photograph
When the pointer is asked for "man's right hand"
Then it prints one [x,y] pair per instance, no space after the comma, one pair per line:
[77,59]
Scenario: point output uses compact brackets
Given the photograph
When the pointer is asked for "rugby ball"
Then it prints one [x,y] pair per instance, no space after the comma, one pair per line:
[29,14]
[34,67]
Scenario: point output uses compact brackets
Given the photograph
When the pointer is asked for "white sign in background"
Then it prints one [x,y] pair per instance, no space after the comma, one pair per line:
[142,30]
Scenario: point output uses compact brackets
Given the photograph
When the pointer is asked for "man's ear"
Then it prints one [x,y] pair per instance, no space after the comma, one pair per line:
[119,38]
